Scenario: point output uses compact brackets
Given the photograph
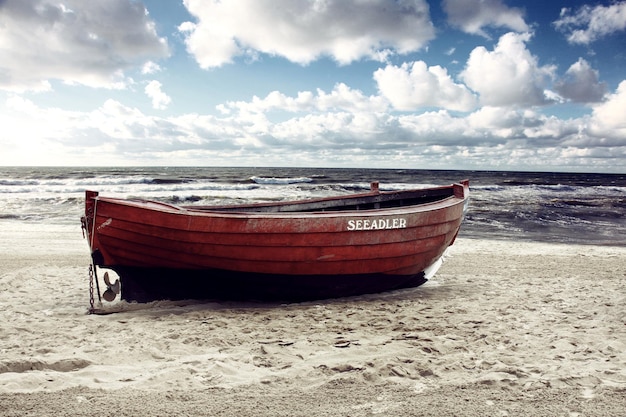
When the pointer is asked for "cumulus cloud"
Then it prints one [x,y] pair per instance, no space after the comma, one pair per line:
[302,31]
[341,98]
[83,42]
[472,16]
[120,134]
[412,86]
[608,121]
[150,68]
[518,124]
[581,84]
[590,23]
[509,75]
[160,100]
[500,121]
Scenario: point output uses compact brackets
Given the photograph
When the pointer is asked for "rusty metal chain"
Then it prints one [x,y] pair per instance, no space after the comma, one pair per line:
[91,298]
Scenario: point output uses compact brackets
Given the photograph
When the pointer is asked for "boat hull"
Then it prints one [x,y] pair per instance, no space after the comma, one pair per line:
[322,248]
[150,284]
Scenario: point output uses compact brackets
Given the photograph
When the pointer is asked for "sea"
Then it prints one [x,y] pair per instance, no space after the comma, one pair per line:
[571,208]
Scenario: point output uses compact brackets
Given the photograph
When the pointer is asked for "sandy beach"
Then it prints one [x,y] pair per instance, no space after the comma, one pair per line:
[504,329]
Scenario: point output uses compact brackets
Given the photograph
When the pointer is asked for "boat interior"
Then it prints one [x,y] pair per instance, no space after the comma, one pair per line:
[370,201]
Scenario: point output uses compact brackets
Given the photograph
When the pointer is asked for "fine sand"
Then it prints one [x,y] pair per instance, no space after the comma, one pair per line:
[504,329]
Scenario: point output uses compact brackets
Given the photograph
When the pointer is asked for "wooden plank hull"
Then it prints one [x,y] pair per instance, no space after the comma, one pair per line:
[288,251]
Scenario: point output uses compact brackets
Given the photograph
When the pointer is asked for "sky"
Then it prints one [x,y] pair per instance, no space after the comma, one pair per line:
[530,85]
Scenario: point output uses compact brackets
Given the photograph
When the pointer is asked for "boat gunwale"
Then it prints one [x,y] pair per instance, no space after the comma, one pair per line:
[232,212]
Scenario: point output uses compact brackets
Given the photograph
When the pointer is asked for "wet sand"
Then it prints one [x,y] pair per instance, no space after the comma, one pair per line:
[504,328]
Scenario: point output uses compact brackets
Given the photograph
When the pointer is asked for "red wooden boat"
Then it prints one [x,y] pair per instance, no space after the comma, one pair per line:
[329,247]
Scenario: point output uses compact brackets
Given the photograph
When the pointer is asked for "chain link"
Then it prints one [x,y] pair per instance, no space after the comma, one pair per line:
[91,299]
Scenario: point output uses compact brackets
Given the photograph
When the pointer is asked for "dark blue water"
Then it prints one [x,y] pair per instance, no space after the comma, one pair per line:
[547,207]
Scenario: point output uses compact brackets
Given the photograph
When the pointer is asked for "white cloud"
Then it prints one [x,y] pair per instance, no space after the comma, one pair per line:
[581,83]
[608,123]
[435,128]
[337,130]
[472,16]
[509,75]
[518,124]
[160,100]
[80,42]
[341,98]
[340,135]
[500,121]
[590,23]
[150,68]
[412,86]
[302,31]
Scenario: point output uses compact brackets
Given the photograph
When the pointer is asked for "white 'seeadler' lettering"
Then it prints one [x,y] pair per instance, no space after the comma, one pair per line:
[376,224]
